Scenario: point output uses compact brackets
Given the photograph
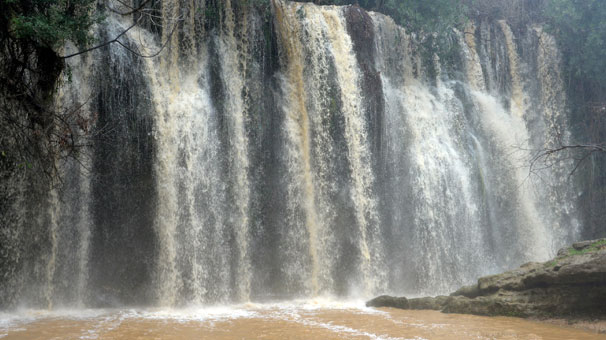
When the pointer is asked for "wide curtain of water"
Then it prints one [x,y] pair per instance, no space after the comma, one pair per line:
[298,152]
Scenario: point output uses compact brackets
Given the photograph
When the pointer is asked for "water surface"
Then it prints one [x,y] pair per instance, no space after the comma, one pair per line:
[297,320]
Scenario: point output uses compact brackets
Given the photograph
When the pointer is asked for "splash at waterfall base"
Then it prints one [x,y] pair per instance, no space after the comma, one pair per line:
[572,286]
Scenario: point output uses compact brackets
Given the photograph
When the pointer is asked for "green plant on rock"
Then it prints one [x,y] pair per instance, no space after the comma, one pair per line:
[599,245]
[592,248]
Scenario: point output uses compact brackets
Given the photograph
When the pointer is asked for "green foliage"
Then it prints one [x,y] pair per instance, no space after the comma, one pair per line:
[25,165]
[580,28]
[436,16]
[48,23]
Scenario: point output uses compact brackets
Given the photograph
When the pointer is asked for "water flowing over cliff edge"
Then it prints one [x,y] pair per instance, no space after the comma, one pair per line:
[310,151]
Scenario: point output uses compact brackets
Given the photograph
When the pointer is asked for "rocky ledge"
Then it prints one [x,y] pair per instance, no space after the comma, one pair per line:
[571,285]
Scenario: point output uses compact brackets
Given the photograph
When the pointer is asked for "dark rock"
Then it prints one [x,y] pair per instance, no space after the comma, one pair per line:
[467,291]
[485,305]
[432,303]
[362,33]
[388,301]
[572,284]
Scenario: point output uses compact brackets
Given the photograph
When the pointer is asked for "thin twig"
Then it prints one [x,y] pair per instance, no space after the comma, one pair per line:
[103,44]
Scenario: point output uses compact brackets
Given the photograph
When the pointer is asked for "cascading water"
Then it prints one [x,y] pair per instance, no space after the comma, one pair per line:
[310,99]
[309,152]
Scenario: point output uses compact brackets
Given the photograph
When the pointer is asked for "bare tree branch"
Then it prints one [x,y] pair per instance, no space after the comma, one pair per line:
[103,44]
[545,156]
[138,9]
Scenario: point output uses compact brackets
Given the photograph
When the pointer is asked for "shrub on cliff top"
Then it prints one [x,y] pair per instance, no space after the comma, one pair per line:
[48,23]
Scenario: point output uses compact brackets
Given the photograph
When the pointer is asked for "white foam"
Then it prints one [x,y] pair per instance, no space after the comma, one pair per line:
[197,314]
[190,313]
[296,317]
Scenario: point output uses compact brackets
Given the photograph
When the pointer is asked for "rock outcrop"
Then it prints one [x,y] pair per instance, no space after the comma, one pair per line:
[572,284]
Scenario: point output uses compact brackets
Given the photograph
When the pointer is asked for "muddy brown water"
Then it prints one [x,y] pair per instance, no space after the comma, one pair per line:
[310,320]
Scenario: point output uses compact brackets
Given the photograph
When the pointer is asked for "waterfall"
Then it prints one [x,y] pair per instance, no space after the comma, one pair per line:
[295,152]
[301,188]
[311,99]
[51,265]
[233,77]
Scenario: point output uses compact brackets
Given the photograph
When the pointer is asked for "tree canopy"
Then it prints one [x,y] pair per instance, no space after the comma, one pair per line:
[48,22]
[580,29]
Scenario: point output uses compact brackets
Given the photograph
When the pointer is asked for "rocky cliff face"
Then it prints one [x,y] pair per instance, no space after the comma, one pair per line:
[572,284]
